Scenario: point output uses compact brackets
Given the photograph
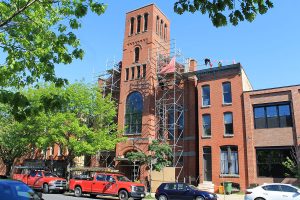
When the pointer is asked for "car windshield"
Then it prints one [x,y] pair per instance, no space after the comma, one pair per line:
[49,174]
[123,179]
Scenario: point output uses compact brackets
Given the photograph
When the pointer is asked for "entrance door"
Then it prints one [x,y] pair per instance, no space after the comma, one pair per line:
[207,164]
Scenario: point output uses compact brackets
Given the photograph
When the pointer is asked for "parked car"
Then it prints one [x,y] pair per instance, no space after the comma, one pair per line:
[273,191]
[16,190]
[106,184]
[182,191]
[40,179]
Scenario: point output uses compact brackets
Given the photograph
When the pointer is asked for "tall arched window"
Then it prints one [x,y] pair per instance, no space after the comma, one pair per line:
[146,21]
[134,113]
[136,54]
[139,19]
[165,32]
[131,25]
[157,25]
[161,28]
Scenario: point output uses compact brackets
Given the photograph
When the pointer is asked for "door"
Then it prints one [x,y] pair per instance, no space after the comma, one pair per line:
[33,178]
[111,186]
[207,166]
[98,183]
[289,193]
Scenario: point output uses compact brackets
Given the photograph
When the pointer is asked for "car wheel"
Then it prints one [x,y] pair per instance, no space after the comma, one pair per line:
[199,198]
[259,198]
[123,195]
[93,195]
[162,197]
[77,191]
[46,188]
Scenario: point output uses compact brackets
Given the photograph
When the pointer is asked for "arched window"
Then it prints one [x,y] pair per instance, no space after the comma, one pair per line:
[161,28]
[134,113]
[157,25]
[131,25]
[138,28]
[136,54]
[146,21]
[165,32]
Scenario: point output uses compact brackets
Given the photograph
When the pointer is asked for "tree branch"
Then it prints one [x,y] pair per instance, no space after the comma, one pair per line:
[28,4]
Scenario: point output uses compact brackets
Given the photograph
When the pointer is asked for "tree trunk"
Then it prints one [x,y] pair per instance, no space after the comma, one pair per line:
[8,168]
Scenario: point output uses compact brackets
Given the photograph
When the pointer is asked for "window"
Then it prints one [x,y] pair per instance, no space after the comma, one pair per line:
[272,116]
[132,73]
[228,123]
[171,123]
[136,54]
[100,177]
[134,111]
[205,95]
[206,121]
[269,161]
[59,150]
[146,21]
[131,25]
[138,28]
[180,123]
[170,186]
[110,178]
[229,160]
[144,70]
[161,28]
[165,32]
[272,188]
[227,93]
[138,72]
[157,25]
[181,186]
[127,74]
[286,188]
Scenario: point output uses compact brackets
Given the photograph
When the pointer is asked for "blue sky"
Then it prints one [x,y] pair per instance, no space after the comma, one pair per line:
[268,48]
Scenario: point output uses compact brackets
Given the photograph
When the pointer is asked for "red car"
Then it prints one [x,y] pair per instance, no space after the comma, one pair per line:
[107,184]
[41,179]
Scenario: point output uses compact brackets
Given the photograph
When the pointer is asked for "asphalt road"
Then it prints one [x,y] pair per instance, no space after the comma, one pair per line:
[70,196]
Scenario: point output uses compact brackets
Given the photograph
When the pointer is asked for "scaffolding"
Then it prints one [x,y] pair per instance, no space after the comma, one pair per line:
[109,80]
[169,99]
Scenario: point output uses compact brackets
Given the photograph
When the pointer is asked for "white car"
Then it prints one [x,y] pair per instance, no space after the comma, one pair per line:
[273,191]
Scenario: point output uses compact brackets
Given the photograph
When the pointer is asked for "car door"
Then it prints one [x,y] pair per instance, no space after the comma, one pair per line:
[272,192]
[98,183]
[170,190]
[289,193]
[110,186]
[182,192]
[31,178]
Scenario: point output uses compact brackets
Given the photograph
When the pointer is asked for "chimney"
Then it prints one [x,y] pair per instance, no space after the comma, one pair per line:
[193,65]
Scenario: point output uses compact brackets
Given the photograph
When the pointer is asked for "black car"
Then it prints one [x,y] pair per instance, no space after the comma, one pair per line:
[17,190]
[182,191]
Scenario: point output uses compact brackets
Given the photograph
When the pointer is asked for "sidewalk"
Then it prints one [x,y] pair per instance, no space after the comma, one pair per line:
[231,197]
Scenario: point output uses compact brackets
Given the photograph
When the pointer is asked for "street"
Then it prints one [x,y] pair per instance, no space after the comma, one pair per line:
[70,196]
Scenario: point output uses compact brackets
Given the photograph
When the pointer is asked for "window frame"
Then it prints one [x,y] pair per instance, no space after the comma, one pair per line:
[226,92]
[233,149]
[289,122]
[202,90]
[203,125]
[225,132]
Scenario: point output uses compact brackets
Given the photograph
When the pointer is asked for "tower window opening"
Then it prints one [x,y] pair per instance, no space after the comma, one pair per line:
[146,21]
[138,29]
[131,25]
[136,54]
[157,25]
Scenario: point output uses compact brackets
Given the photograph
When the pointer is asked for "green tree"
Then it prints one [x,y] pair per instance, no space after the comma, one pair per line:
[35,35]
[222,11]
[83,125]
[293,163]
[15,141]
[161,153]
